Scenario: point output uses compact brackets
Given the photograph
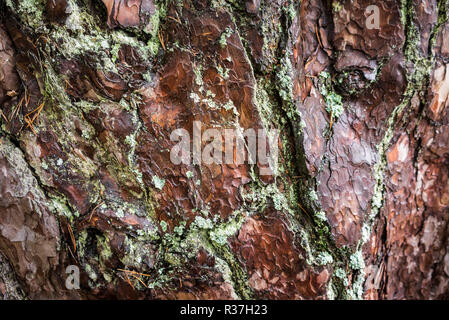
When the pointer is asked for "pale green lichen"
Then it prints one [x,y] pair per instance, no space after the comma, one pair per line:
[321,216]
[284,79]
[195,97]
[90,272]
[220,234]
[223,72]
[324,258]
[31,12]
[333,101]
[179,230]
[104,248]
[356,261]
[198,72]
[137,252]
[357,289]
[313,195]
[203,223]
[163,225]
[330,291]
[159,183]
[291,10]
[340,273]
[224,37]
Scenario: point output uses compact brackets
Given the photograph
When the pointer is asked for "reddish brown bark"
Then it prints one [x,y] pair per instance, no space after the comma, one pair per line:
[90,94]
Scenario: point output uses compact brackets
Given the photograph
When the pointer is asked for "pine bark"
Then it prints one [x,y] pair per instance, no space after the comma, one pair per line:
[90,92]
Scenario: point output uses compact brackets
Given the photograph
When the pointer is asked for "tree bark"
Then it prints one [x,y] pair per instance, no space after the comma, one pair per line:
[91,92]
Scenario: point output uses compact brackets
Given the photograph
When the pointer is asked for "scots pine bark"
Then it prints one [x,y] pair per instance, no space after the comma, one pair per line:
[91,92]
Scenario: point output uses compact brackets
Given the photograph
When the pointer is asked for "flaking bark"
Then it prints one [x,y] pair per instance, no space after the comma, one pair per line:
[90,92]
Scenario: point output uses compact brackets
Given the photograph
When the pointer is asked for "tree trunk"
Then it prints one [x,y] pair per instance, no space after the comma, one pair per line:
[356,206]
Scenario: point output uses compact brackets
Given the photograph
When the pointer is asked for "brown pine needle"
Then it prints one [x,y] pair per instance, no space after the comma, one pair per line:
[175,19]
[129,281]
[72,236]
[134,272]
[68,84]
[318,36]
[27,98]
[303,210]
[94,209]
[3,115]
[30,124]
[161,39]
[177,16]
[332,119]
[140,280]
[36,112]
[73,256]
[16,110]
[37,109]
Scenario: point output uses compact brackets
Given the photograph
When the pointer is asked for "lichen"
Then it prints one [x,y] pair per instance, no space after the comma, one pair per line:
[324,258]
[104,249]
[221,233]
[333,101]
[158,182]
[356,261]
[224,37]
[203,223]
[31,12]
[163,225]
[313,195]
